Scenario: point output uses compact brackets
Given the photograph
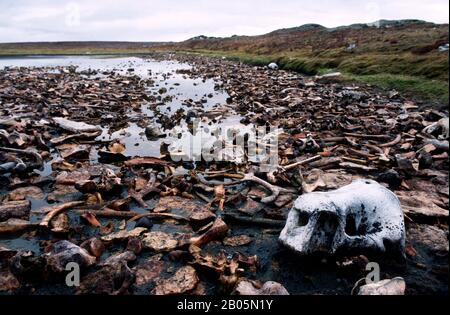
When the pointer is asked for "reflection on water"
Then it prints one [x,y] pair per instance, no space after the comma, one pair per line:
[174,88]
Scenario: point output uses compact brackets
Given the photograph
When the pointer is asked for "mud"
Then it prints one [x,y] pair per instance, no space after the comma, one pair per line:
[123,171]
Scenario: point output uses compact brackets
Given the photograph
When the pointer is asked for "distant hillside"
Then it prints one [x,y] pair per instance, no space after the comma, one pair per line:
[402,54]
[94,47]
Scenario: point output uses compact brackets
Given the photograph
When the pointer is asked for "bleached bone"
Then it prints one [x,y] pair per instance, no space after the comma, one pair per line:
[361,216]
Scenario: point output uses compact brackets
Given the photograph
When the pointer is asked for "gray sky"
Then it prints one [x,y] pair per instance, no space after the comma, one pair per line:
[174,20]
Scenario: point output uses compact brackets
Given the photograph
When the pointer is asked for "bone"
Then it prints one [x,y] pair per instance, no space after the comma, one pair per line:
[29,152]
[217,232]
[362,216]
[304,162]
[276,191]
[394,286]
[443,125]
[75,126]
[150,187]
[57,210]
[85,135]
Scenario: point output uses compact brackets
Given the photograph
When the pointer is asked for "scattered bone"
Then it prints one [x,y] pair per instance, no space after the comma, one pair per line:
[75,126]
[56,210]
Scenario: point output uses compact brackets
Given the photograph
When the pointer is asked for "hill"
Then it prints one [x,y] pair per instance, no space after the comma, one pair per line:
[401,54]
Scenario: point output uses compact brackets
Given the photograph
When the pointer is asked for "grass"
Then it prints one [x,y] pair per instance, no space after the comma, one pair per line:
[433,90]
[422,77]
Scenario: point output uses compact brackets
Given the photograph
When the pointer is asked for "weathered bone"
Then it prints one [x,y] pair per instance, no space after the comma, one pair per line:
[361,216]
[276,191]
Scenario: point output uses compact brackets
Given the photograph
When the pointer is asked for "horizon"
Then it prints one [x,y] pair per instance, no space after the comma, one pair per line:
[239,35]
[24,21]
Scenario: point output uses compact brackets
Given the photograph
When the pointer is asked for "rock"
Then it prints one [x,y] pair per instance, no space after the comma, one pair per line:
[273,66]
[184,281]
[135,245]
[159,241]
[23,193]
[425,160]
[433,238]
[94,246]
[237,240]
[110,280]
[394,286]
[118,258]
[390,177]
[123,235]
[72,152]
[420,205]
[15,209]
[64,252]
[148,271]
[8,282]
[245,287]
[361,216]
[144,223]
[153,132]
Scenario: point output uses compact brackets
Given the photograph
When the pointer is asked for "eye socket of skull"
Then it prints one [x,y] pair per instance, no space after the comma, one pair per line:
[303,218]
[351,229]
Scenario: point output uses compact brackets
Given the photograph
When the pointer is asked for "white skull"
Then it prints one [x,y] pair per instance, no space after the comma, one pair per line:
[361,216]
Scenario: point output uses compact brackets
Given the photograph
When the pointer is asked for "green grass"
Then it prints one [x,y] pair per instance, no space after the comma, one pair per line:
[422,77]
[433,90]
[425,77]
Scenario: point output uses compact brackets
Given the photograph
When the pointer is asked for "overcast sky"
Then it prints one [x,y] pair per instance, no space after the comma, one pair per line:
[175,20]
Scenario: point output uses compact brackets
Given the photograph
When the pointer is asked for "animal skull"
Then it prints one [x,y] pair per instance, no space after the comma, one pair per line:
[361,216]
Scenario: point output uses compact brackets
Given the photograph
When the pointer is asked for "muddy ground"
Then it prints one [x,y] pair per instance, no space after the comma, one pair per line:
[109,196]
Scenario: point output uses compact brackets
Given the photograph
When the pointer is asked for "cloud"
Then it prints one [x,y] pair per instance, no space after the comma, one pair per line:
[172,20]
